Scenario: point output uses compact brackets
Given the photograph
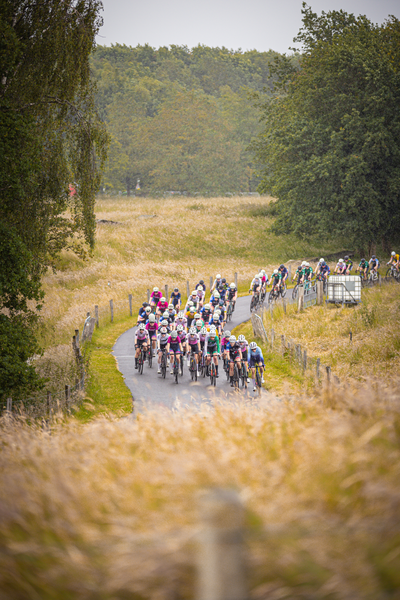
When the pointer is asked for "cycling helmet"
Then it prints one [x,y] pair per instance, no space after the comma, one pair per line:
[303,264]
[373,256]
[232,339]
[217,295]
[207,306]
[307,264]
[142,326]
[201,281]
[152,318]
[192,309]
[393,253]
[163,330]
[203,331]
[170,306]
[174,334]
[162,299]
[363,260]
[179,328]
[223,280]
[218,276]
[262,271]
[321,260]
[217,313]
[199,323]
[164,323]
[194,293]
[180,314]
[215,318]
[147,309]
[253,345]
[145,303]
[197,316]
[241,338]
[165,313]
[221,302]
[232,286]
[227,334]
[346,258]
[190,303]
[260,275]
[276,271]
[282,266]
[341,260]
[200,288]
[192,330]
[176,289]
[155,289]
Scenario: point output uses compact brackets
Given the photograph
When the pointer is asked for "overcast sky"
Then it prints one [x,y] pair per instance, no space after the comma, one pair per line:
[245,24]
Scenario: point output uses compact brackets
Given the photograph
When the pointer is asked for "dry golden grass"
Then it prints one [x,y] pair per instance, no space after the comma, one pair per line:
[325,332]
[107,510]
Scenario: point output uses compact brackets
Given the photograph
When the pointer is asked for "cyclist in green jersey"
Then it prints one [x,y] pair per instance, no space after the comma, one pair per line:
[348,265]
[363,267]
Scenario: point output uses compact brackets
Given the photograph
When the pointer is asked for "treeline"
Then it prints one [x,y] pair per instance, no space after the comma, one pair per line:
[179,118]
[330,146]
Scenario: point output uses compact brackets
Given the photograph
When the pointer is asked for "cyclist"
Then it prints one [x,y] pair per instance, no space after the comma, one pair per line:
[200,296]
[203,285]
[264,278]
[193,346]
[176,299]
[162,306]
[180,319]
[212,348]
[234,355]
[374,264]
[307,273]
[199,325]
[222,288]
[155,298]
[194,298]
[299,273]
[340,268]
[216,283]
[152,328]
[206,312]
[284,274]
[276,279]
[202,337]
[363,267]
[162,340]
[232,295]
[141,340]
[214,300]
[174,347]
[216,323]
[144,312]
[170,315]
[256,284]
[394,260]
[324,271]
[256,358]
[244,347]
[164,323]
[183,337]
[348,265]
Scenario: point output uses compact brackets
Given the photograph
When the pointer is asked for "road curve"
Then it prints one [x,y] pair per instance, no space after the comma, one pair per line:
[149,389]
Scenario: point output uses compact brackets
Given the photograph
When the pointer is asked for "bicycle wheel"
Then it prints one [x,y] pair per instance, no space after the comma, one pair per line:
[213,378]
[140,362]
[176,370]
[243,376]
[229,313]
[271,297]
[258,380]
[253,304]
[150,356]
[181,364]
[226,369]
[163,365]
[294,292]
[236,376]
[283,291]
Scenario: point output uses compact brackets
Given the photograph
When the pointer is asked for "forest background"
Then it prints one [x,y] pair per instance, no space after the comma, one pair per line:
[181,119]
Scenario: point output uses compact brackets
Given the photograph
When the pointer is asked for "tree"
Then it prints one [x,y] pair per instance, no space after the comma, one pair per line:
[50,137]
[330,147]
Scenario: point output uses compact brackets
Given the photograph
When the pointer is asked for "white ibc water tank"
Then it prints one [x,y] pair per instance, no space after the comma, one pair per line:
[344,288]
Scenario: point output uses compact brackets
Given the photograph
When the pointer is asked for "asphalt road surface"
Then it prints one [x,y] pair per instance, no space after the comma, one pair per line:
[150,389]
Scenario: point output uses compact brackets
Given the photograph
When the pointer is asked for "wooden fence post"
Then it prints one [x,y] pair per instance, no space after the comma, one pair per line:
[283,345]
[236,279]
[300,294]
[305,360]
[148,296]
[211,282]
[317,368]
[220,559]
[130,304]
[320,292]
[77,338]
[9,405]
[112,311]
[67,396]
[290,271]
[187,289]
[96,315]
[166,292]
[328,374]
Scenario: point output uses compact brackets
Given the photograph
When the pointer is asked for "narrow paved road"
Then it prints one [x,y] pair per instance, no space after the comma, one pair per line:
[150,389]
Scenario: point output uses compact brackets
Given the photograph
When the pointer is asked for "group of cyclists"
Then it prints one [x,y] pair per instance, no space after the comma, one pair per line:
[304,273]
[195,330]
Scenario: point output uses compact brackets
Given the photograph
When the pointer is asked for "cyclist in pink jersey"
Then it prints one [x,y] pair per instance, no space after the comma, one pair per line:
[193,346]
[155,298]
[174,347]
[142,340]
[152,328]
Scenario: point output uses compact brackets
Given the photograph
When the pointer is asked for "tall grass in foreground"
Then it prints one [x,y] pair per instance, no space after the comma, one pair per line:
[106,510]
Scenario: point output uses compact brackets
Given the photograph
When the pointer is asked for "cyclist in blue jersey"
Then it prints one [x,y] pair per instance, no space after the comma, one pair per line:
[256,357]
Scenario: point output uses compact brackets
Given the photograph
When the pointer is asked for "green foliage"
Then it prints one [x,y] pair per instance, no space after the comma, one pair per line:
[330,147]
[180,119]
[17,320]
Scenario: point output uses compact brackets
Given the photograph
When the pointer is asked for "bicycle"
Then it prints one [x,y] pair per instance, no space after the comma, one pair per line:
[229,312]
[150,357]
[213,374]
[236,375]
[372,277]
[258,379]
[163,364]
[181,364]
[193,367]
[273,295]
[255,301]
[243,375]
[393,272]
[141,359]
[226,368]
[295,290]
[176,368]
